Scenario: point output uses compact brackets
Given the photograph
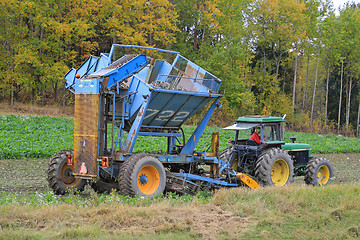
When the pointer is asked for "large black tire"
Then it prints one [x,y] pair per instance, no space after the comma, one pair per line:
[60,176]
[274,168]
[319,171]
[142,175]
[226,155]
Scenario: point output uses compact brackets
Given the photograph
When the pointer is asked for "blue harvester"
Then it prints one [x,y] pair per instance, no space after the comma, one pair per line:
[117,101]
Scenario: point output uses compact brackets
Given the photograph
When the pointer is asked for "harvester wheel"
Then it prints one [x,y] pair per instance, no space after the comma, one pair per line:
[274,168]
[318,171]
[60,176]
[142,175]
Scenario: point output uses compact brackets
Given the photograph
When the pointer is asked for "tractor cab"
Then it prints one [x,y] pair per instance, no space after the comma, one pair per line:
[270,130]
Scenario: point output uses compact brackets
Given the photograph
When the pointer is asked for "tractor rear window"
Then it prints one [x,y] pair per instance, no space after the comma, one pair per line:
[272,133]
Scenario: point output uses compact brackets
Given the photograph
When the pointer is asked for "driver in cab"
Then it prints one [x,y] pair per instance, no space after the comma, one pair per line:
[255,136]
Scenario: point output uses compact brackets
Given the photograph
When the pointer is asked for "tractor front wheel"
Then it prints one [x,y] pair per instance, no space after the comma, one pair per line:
[60,174]
[274,168]
[318,171]
[142,175]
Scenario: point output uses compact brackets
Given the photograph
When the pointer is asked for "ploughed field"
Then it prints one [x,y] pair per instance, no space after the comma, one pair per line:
[28,142]
[29,175]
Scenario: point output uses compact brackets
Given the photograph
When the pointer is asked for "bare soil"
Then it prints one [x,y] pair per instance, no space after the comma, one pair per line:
[29,175]
[36,110]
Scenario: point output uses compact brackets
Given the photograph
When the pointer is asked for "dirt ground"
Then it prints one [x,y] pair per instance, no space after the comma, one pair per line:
[36,110]
[30,175]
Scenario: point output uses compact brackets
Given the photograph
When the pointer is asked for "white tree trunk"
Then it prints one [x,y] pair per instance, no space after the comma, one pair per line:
[348,104]
[294,86]
[306,84]
[341,88]
[327,94]
[314,93]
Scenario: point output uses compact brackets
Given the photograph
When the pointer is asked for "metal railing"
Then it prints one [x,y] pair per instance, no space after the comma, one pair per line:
[183,83]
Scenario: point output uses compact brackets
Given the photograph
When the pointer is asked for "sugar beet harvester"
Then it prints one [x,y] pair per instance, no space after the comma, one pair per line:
[115,102]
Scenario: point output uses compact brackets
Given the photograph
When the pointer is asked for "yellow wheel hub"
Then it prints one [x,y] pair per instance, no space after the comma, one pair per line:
[323,175]
[67,176]
[235,165]
[148,179]
[280,172]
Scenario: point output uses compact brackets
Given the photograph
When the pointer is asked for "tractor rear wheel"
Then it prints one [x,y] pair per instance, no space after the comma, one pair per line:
[318,171]
[60,174]
[228,155]
[142,175]
[274,168]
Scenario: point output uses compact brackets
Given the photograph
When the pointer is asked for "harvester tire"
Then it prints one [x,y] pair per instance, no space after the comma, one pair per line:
[274,168]
[319,171]
[142,175]
[60,177]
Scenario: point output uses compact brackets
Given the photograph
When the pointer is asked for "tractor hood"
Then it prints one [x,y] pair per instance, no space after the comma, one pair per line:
[296,147]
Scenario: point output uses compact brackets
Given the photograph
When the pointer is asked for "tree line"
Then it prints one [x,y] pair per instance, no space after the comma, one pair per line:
[275,57]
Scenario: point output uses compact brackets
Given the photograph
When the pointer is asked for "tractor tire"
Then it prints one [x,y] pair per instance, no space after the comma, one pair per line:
[274,168]
[226,156]
[319,171]
[142,175]
[59,175]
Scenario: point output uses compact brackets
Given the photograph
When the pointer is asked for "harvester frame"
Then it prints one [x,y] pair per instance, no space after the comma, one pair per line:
[141,96]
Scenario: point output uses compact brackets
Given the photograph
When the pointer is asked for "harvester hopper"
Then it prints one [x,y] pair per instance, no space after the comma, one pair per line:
[117,101]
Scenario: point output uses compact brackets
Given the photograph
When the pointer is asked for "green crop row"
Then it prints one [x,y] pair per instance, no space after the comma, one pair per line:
[34,137]
[40,137]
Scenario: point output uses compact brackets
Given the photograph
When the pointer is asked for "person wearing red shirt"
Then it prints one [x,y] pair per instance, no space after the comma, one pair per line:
[255,136]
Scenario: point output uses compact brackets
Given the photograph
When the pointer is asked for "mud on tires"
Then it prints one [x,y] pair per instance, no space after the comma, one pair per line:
[319,171]
[59,175]
[274,168]
[142,175]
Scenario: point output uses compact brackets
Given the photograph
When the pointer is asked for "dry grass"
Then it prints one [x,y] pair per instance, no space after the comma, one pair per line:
[297,212]
[292,212]
[202,221]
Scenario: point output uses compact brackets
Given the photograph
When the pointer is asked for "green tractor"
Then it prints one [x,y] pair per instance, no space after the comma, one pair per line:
[270,160]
